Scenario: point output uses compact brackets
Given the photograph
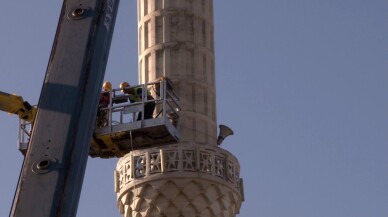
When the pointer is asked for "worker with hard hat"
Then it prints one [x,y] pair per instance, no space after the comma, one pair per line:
[107,86]
[135,95]
[102,114]
[105,95]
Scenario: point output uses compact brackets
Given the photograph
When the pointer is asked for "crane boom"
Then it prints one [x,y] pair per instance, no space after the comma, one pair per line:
[52,174]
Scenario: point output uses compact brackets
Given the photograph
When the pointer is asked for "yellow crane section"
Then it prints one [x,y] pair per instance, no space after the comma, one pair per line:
[15,104]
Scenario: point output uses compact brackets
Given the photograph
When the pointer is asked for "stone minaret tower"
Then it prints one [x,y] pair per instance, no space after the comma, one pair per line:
[194,178]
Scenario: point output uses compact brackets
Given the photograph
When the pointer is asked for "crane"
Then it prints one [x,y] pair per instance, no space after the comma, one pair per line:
[15,104]
[63,132]
[53,169]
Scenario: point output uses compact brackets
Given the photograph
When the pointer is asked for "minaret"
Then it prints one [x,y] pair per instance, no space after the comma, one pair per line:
[194,177]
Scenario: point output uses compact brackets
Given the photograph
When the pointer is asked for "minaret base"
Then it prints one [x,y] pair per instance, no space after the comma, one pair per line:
[178,181]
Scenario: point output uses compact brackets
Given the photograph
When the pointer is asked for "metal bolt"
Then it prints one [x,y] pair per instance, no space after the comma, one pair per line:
[78,12]
[43,165]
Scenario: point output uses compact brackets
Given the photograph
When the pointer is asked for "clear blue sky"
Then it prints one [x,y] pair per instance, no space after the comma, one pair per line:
[303,83]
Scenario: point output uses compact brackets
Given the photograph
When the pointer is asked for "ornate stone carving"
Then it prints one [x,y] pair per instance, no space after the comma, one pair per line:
[188,160]
[172,160]
[155,162]
[196,181]
[140,166]
[220,166]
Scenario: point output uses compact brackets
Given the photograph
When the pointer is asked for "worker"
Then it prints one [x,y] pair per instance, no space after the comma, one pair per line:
[135,95]
[102,114]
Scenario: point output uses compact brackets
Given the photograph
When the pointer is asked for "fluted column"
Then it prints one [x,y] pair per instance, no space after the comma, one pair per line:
[176,40]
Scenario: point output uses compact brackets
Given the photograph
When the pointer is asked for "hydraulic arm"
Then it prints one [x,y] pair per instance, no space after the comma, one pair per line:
[16,105]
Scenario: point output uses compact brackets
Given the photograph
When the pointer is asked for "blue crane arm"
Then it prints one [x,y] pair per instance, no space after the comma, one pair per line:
[53,169]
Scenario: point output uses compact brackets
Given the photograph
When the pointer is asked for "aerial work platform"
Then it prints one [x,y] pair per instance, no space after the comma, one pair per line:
[124,127]
[120,139]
